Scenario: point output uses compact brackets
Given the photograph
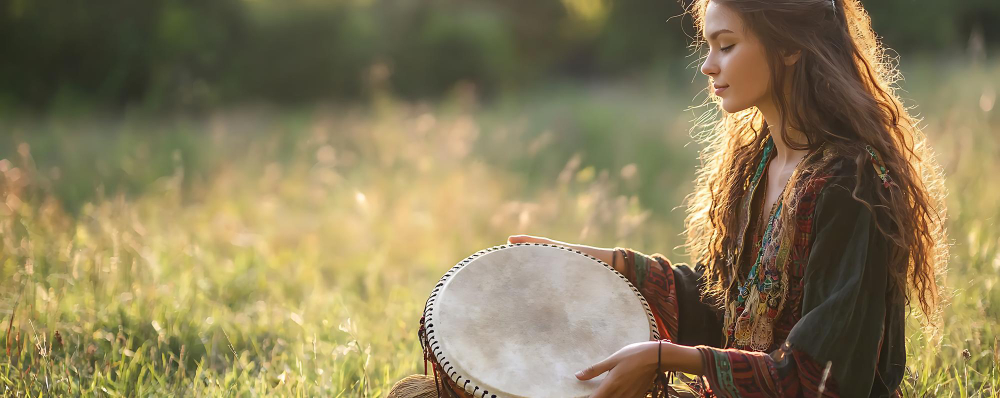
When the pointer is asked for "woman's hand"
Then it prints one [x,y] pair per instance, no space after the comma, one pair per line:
[631,371]
[603,254]
[633,368]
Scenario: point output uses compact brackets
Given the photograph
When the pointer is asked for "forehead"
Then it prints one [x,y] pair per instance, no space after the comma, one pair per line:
[720,19]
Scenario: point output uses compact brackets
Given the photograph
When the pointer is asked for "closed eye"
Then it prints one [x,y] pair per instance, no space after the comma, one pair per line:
[727,48]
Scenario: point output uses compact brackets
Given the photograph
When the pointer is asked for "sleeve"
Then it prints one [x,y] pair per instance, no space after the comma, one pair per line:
[833,350]
[674,295]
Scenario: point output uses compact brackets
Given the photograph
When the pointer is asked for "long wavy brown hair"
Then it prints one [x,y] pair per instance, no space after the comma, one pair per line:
[842,96]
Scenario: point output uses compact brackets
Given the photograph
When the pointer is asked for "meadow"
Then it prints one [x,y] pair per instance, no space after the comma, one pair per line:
[288,252]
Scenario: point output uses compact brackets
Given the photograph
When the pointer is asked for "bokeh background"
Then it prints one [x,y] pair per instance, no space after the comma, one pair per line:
[255,197]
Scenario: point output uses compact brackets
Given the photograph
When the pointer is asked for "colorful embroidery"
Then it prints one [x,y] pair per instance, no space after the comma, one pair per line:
[658,288]
[724,370]
[799,252]
[641,271]
[741,370]
[738,373]
[749,319]
[879,166]
[811,377]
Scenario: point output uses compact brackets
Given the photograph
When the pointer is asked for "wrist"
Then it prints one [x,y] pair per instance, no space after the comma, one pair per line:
[616,258]
[673,357]
[652,349]
[613,259]
[605,255]
[683,358]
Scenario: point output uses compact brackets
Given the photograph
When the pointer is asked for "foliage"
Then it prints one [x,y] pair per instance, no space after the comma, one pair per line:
[169,55]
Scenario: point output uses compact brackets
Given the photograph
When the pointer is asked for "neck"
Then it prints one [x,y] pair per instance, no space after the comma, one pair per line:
[783,153]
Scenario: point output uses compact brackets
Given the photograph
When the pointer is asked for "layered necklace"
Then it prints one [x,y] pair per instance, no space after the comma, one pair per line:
[750,317]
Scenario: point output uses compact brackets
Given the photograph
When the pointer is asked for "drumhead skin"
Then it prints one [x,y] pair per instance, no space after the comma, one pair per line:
[519,320]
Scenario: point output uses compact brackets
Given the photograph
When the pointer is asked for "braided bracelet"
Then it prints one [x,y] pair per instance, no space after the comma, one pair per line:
[666,380]
[659,352]
[625,270]
[614,257]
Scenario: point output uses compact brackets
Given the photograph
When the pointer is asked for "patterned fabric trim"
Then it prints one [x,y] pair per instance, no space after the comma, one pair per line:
[724,374]
[814,377]
[761,325]
[654,278]
[748,374]
[800,248]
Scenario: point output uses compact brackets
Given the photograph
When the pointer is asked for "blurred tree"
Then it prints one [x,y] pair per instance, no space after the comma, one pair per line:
[470,42]
[301,53]
[169,54]
[640,32]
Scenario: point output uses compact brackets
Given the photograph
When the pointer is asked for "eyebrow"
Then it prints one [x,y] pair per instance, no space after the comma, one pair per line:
[717,33]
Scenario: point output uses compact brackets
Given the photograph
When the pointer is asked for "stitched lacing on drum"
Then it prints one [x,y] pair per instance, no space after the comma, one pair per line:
[427,337]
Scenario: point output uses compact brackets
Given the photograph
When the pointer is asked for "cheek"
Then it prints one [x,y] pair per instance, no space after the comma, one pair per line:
[748,73]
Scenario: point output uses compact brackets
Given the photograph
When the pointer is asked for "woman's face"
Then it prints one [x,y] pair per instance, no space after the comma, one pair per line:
[736,61]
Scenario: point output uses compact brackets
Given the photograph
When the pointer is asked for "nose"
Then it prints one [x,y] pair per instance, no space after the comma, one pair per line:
[710,67]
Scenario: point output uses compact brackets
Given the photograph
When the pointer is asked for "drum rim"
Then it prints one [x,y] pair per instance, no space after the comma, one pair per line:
[430,306]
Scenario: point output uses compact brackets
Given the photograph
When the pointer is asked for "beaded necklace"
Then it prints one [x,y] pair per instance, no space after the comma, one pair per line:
[766,284]
[750,316]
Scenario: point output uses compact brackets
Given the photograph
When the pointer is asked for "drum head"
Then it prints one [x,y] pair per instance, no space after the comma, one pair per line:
[520,320]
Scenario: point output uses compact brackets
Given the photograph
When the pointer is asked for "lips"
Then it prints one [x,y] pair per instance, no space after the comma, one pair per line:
[720,89]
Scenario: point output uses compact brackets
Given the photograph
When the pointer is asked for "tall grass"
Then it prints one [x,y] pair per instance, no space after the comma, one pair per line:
[289,253]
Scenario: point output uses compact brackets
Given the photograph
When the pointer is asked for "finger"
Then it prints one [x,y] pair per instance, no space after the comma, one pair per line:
[596,369]
[527,239]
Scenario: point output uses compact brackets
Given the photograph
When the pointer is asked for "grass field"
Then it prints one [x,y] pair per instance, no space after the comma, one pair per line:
[257,252]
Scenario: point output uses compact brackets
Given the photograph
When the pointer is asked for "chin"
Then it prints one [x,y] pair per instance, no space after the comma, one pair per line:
[731,106]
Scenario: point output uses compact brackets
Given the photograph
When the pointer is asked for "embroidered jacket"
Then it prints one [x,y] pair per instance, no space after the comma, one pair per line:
[835,332]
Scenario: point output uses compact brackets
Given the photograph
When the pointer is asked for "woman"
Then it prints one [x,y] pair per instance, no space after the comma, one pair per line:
[817,217]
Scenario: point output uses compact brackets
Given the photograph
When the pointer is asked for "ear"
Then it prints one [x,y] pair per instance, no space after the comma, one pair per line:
[791,59]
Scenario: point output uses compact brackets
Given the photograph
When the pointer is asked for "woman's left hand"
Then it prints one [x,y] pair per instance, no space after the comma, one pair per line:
[631,371]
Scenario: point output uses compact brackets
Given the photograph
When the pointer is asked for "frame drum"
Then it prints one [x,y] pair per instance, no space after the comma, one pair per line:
[519,320]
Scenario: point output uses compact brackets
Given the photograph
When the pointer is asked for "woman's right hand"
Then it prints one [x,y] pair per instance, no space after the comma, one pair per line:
[603,254]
